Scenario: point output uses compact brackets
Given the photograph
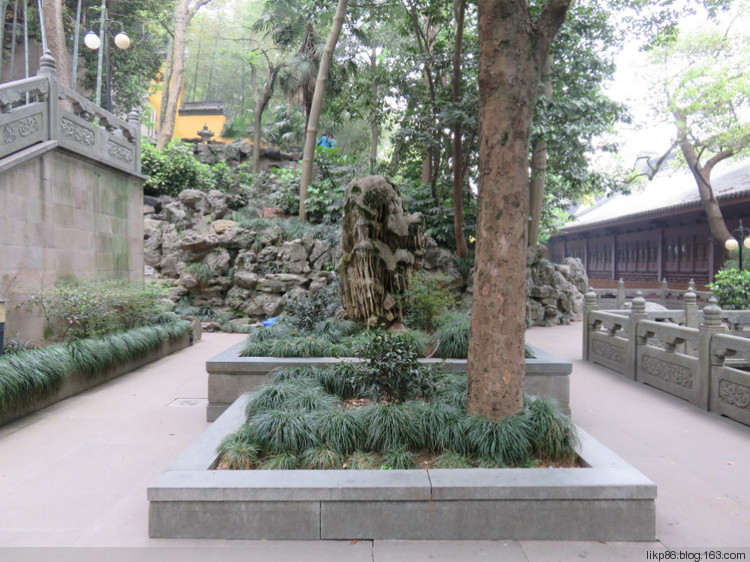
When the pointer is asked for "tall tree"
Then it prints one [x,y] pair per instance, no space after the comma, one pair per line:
[704,86]
[317,104]
[185,10]
[514,43]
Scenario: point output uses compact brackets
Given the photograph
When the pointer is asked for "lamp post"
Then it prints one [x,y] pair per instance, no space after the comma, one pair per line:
[94,42]
[740,238]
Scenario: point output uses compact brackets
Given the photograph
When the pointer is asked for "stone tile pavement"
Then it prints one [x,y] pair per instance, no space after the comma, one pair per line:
[73,477]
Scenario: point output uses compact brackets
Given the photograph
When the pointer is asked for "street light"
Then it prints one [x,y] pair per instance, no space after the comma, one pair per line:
[93,42]
[740,237]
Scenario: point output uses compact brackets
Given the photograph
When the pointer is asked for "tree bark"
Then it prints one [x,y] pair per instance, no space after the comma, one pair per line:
[317,105]
[184,12]
[539,166]
[374,130]
[55,31]
[458,178]
[512,51]
[259,107]
[702,175]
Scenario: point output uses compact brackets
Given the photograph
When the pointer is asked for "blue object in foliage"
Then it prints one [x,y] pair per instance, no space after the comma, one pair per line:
[269,322]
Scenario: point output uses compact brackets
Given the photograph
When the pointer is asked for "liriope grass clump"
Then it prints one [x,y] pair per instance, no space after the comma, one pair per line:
[452,335]
[305,419]
[35,374]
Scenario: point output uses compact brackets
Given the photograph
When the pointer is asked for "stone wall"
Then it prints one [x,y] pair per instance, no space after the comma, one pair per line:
[220,265]
[554,291]
[60,215]
[240,153]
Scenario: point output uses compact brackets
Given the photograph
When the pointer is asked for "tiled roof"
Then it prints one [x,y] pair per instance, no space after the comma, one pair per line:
[665,193]
[203,108]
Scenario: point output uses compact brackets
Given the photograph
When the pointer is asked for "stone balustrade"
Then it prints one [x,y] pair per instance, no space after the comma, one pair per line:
[693,355]
[39,109]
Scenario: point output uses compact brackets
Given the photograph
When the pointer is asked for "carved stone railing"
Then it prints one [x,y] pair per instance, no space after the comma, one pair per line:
[616,298]
[730,388]
[700,362]
[35,110]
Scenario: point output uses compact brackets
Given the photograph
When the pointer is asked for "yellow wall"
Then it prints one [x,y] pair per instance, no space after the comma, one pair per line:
[187,126]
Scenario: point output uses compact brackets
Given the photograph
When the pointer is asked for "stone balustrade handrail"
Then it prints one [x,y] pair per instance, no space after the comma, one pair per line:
[670,335]
[699,361]
[39,109]
[664,295]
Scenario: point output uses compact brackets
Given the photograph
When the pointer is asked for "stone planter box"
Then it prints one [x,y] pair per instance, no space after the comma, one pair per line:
[607,500]
[75,385]
[230,376]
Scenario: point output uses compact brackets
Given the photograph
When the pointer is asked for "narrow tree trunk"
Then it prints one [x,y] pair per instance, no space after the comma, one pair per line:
[512,50]
[458,178]
[539,166]
[317,105]
[165,81]
[374,130]
[257,114]
[184,12]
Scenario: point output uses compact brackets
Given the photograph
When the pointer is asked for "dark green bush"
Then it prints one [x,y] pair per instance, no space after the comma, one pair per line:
[392,371]
[78,310]
[315,307]
[732,289]
[172,170]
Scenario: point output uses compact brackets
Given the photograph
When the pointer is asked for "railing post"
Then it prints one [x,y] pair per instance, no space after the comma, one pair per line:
[620,293]
[664,292]
[637,313]
[47,69]
[691,306]
[589,304]
[134,119]
[711,325]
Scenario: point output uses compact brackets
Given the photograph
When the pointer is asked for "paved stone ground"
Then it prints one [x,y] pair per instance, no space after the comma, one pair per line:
[75,474]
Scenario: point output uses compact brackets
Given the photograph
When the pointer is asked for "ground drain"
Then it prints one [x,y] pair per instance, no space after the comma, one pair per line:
[189,402]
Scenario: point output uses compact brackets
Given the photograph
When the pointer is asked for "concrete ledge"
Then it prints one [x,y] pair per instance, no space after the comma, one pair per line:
[230,376]
[609,500]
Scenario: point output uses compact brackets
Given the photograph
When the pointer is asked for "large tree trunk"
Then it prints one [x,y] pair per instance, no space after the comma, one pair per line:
[184,12]
[539,166]
[458,177]
[55,31]
[512,50]
[702,175]
[317,105]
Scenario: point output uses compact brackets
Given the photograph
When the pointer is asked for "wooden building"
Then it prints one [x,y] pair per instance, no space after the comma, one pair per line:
[657,232]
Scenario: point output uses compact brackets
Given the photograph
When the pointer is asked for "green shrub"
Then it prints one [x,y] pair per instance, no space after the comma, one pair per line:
[77,310]
[315,307]
[428,296]
[172,170]
[732,289]
[392,371]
